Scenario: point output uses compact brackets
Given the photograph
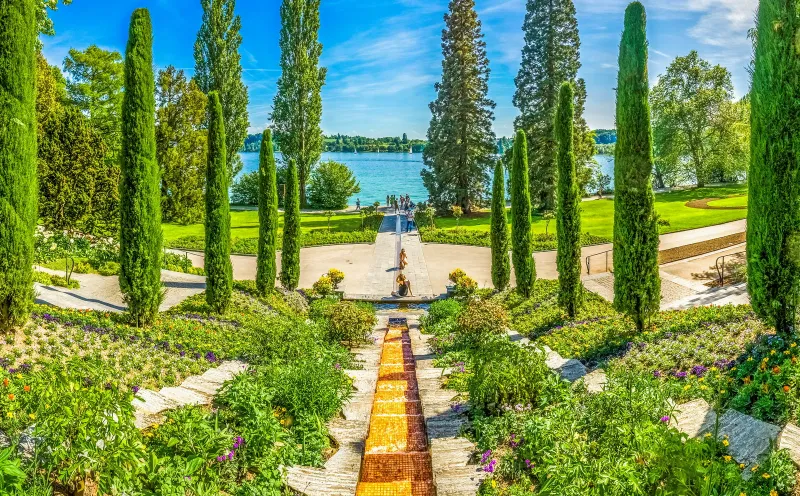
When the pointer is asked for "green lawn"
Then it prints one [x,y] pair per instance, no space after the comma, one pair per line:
[598,215]
[734,201]
[245,225]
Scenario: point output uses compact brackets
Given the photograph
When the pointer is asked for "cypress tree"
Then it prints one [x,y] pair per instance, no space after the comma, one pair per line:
[773,219]
[140,195]
[568,213]
[522,255]
[267,216]
[219,271]
[501,268]
[290,255]
[637,284]
[18,189]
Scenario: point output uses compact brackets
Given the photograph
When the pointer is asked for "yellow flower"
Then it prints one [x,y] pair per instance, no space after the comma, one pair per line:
[32,416]
[19,376]
[755,467]
[766,475]
[750,359]
[703,388]
[773,493]
[742,494]
[727,458]
[10,414]
[725,443]
[494,483]
[708,435]
[741,466]
[687,387]
[701,379]
[772,352]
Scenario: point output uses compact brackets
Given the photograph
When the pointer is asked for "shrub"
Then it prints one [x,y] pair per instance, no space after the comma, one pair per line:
[331,184]
[465,287]
[350,322]
[456,275]
[11,474]
[505,375]
[323,286]
[336,276]
[245,189]
[290,254]
[481,319]
[109,269]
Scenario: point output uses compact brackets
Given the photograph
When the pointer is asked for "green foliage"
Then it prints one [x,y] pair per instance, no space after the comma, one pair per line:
[539,242]
[18,205]
[522,253]
[290,255]
[323,286]
[336,276]
[181,145]
[347,322]
[461,142]
[11,474]
[218,67]
[501,266]
[441,317]
[481,319]
[267,217]
[140,198]
[550,56]
[245,189]
[53,280]
[219,270]
[505,375]
[699,131]
[298,103]
[331,184]
[637,284]
[568,218]
[773,246]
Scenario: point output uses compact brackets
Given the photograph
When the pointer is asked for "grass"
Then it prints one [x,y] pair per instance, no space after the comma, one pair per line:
[598,216]
[245,225]
[733,201]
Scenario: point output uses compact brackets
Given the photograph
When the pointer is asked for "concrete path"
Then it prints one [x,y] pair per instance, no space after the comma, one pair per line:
[102,293]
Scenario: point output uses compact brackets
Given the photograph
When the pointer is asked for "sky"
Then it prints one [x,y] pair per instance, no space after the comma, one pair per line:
[384,56]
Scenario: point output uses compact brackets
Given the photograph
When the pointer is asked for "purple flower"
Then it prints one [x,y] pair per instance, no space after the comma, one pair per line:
[490,468]
[337,367]
[456,407]
[238,442]
[699,370]
[211,357]
[680,374]
[657,374]
[486,455]
[135,389]
[513,441]
[528,463]
[665,419]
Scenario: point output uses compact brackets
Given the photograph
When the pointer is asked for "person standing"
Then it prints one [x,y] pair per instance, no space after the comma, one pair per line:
[410,220]
[358,204]
[387,202]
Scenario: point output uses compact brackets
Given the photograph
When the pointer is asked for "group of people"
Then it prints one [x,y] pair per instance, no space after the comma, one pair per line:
[403,284]
[400,203]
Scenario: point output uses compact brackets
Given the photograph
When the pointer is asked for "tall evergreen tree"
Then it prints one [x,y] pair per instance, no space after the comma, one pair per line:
[773,218]
[461,143]
[290,254]
[637,284]
[568,213]
[501,268]
[17,159]
[267,216]
[140,199]
[219,271]
[550,56]
[218,67]
[522,249]
[298,103]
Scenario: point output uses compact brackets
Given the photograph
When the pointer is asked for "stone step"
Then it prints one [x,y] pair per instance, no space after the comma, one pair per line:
[363,380]
[595,381]
[151,402]
[217,375]
[694,418]
[749,438]
[459,481]
[789,439]
[197,383]
[320,482]
[183,396]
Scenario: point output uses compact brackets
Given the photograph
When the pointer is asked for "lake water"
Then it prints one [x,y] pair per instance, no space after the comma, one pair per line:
[382,174]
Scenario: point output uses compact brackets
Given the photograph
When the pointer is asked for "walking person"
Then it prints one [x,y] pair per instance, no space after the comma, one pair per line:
[403,259]
[358,204]
[410,224]
[387,202]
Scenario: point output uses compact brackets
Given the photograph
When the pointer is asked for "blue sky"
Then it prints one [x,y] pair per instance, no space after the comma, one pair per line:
[384,56]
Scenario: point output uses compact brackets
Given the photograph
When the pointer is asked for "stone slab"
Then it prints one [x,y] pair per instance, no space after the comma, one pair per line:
[694,418]
[595,381]
[197,383]
[789,439]
[217,375]
[749,438]
[183,396]
[152,402]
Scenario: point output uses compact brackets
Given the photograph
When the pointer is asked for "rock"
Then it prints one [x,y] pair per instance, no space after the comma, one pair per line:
[217,375]
[184,396]
[788,439]
[749,438]
[27,443]
[694,418]
[595,381]
[5,441]
[570,369]
[196,383]
[151,402]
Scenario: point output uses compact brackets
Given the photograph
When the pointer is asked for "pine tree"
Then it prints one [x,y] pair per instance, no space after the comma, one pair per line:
[461,143]
[522,254]
[290,255]
[140,197]
[267,216]
[298,103]
[219,271]
[501,268]
[218,67]
[551,55]
[773,218]
[568,213]
[17,159]
[637,284]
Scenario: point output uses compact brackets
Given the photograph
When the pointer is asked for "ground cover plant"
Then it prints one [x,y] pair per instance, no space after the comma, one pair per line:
[538,434]
[597,218]
[67,380]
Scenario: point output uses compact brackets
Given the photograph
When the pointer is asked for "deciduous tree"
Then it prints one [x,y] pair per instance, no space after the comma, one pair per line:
[332,183]
[218,67]
[140,199]
[298,102]
[773,219]
[461,143]
[17,159]
[637,284]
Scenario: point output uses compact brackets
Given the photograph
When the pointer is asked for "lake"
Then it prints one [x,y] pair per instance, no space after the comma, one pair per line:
[382,174]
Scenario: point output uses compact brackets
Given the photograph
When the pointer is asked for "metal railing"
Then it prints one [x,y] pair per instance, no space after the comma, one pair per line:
[721,267]
[604,254]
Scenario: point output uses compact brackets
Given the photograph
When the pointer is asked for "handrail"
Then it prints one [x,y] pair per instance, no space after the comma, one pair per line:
[589,261]
[721,270]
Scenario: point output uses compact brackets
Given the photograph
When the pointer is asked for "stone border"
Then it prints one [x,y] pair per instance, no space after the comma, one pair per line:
[700,248]
[704,204]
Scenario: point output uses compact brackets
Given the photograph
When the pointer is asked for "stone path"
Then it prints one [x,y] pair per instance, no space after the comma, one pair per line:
[673,288]
[729,295]
[195,390]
